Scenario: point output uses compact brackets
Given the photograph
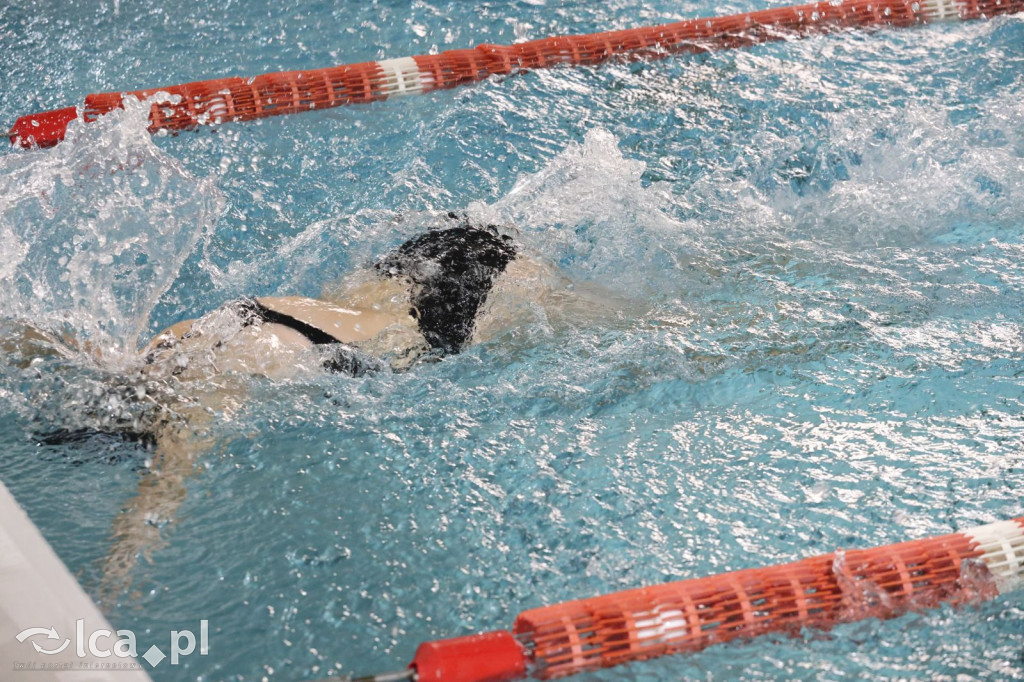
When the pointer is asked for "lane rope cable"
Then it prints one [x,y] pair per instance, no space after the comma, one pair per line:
[819,592]
[288,92]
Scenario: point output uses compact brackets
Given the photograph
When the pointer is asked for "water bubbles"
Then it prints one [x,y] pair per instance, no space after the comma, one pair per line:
[913,173]
[976,582]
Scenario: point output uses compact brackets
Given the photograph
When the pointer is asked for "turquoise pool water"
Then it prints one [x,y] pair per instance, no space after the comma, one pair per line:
[816,249]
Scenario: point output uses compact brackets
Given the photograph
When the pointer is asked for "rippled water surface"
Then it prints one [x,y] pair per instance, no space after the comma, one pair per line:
[815,252]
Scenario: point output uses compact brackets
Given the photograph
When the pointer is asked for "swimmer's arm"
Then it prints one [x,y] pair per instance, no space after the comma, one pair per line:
[138,529]
[21,342]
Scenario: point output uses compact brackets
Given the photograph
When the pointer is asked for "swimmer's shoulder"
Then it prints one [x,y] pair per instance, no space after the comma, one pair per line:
[346,323]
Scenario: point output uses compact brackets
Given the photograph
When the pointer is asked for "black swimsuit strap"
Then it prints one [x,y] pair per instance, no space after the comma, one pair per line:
[342,358]
[252,311]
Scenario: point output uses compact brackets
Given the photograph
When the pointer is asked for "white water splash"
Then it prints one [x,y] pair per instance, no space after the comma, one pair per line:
[589,209]
[861,598]
[95,230]
[916,173]
[302,263]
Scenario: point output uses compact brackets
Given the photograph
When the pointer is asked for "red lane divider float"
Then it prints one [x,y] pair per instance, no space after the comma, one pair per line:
[289,92]
[687,616]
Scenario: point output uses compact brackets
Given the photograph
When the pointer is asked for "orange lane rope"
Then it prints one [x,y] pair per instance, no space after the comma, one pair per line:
[687,616]
[289,92]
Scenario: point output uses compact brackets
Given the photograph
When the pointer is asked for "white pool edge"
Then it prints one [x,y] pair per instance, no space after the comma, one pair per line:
[38,591]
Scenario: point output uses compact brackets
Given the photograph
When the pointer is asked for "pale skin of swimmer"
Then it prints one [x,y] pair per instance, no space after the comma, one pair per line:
[216,365]
[365,312]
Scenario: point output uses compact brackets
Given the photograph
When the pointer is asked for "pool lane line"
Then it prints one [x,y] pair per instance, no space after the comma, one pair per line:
[819,592]
[222,100]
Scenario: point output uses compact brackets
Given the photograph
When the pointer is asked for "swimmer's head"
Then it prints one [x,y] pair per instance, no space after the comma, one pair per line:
[451,272]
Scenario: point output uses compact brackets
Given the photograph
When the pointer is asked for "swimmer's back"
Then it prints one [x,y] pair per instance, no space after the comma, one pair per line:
[422,298]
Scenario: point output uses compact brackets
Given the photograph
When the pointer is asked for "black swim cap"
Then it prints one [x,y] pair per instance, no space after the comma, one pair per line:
[453,271]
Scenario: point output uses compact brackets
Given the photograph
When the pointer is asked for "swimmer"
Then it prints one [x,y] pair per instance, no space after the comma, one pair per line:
[420,301]
[432,297]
